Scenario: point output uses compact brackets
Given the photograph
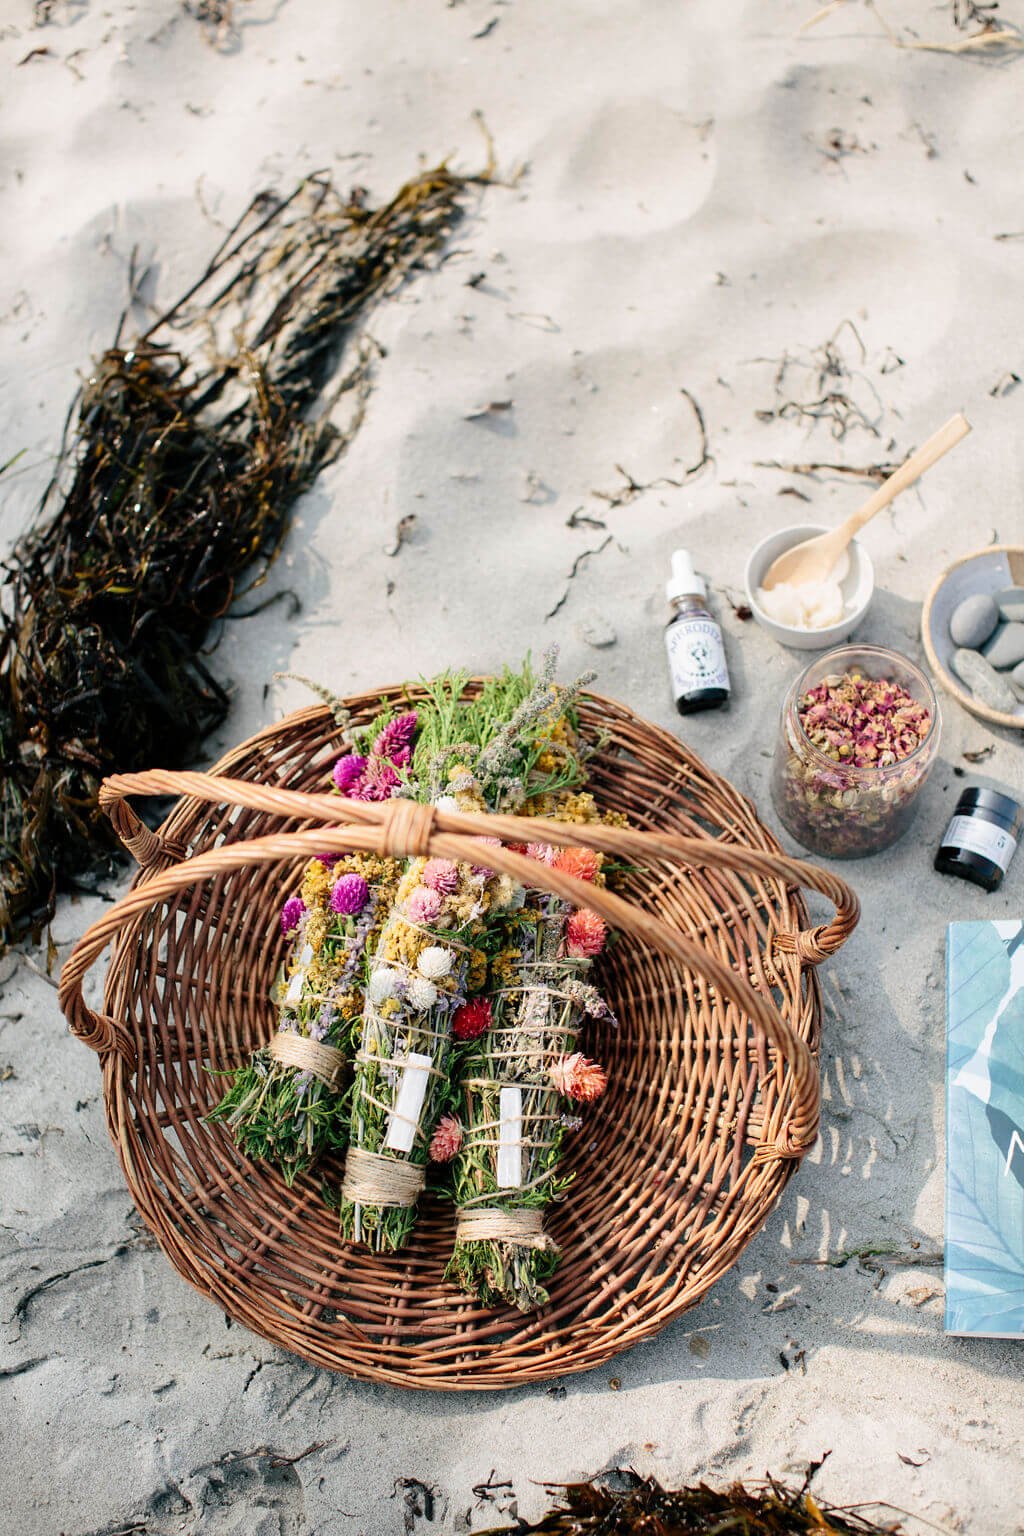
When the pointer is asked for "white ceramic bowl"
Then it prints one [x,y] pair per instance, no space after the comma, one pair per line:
[857,587]
[985,570]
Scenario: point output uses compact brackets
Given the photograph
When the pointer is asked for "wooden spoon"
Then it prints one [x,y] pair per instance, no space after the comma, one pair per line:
[815,559]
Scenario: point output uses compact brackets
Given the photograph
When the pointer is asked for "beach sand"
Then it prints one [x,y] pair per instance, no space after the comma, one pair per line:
[701,192]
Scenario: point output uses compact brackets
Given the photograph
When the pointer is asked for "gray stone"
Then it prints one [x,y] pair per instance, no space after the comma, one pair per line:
[1010,603]
[973,620]
[1006,648]
[596,631]
[983,680]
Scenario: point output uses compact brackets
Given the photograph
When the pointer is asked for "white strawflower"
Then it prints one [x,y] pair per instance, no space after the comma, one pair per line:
[421,993]
[434,962]
[383,984]
[446,803]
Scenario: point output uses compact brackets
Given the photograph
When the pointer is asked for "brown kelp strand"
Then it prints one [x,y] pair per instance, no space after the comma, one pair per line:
[182,463]
[644,1506]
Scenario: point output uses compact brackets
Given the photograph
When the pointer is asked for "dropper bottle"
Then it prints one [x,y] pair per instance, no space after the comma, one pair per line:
[696,654]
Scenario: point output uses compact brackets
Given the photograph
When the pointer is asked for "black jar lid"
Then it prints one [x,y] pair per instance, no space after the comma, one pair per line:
[1004,806]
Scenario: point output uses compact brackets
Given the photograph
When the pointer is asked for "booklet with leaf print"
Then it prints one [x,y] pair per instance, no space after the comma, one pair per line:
[985,1129]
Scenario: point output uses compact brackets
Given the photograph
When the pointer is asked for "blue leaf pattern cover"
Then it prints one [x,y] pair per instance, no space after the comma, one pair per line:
[985,1130]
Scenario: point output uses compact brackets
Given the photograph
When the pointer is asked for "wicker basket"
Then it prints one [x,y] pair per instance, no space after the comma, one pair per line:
[713,1096]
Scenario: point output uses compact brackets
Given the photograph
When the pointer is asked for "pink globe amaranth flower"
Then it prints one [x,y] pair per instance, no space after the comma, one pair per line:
[579,1078]
[446,1140]
[423,905]
[396,737]
[349,895]
[348,770]
[470,1021]
[585,934]
[542,852]
[292,913]
[441,875]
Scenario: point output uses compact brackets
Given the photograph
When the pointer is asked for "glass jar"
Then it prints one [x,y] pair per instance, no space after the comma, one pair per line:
[836,808]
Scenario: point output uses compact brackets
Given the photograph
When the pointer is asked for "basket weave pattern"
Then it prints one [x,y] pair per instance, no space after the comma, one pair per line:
[713,1080]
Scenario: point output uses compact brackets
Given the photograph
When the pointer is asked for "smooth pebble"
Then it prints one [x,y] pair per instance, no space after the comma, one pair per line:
[1006,648]
[1010,603]
[983,681]
[973,620]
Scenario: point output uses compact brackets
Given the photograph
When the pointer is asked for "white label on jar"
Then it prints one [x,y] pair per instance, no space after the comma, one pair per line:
[974,835]
[696,655]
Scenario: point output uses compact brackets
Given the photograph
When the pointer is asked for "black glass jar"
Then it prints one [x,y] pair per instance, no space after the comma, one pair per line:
[981,838]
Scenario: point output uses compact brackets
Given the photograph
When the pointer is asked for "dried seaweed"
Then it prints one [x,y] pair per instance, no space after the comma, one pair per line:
[644,1508]
[175,490]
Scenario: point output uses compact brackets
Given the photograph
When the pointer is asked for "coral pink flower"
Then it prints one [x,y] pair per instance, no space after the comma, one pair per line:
[441,875]
[446,1140]
[584,863]
[585,933]
[423,905]
[579,1078]
[470,1021]
[542,852]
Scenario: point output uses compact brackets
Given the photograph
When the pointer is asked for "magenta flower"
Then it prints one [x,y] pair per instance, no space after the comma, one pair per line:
[347,771]
[292,913]
[396,738]
[349,895]
[423,906]
[441,875]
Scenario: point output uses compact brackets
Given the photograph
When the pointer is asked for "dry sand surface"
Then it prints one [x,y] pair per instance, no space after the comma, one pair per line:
[704,192]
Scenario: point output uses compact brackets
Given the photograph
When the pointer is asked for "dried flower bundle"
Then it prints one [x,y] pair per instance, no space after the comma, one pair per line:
[511,746]
[518,1090]
[287,1105]
[187,453]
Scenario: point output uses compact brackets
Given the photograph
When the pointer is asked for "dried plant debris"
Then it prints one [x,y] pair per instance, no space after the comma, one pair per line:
[830,383]
[982,31]
[184,454]
[624,1504]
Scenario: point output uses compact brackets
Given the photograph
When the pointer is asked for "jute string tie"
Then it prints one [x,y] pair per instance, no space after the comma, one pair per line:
[371,1179]
[523,1226]
[307,1055]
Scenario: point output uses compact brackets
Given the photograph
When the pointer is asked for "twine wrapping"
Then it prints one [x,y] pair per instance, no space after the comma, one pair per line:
[504,1224]
[324,1061]
[371,1179]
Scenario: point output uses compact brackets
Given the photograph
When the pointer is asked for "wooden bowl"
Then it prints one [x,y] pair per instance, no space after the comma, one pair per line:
[985,570]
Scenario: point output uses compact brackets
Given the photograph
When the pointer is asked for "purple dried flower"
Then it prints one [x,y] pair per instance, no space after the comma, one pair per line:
[349,895]
[292,913]
[395,738]
[347,771]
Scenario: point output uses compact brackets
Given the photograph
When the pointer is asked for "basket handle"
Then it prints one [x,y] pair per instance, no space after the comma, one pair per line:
[404,828]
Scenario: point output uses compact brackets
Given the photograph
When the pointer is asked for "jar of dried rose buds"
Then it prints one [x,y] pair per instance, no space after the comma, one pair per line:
[858,735]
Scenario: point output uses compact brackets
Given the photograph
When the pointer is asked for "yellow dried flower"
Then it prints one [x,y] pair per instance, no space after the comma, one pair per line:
[316,884]
[350,1005]
[476,974]
[389,1007]
[317,924]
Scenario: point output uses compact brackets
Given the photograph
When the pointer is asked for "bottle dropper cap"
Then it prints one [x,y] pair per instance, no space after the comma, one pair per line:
[684,581]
